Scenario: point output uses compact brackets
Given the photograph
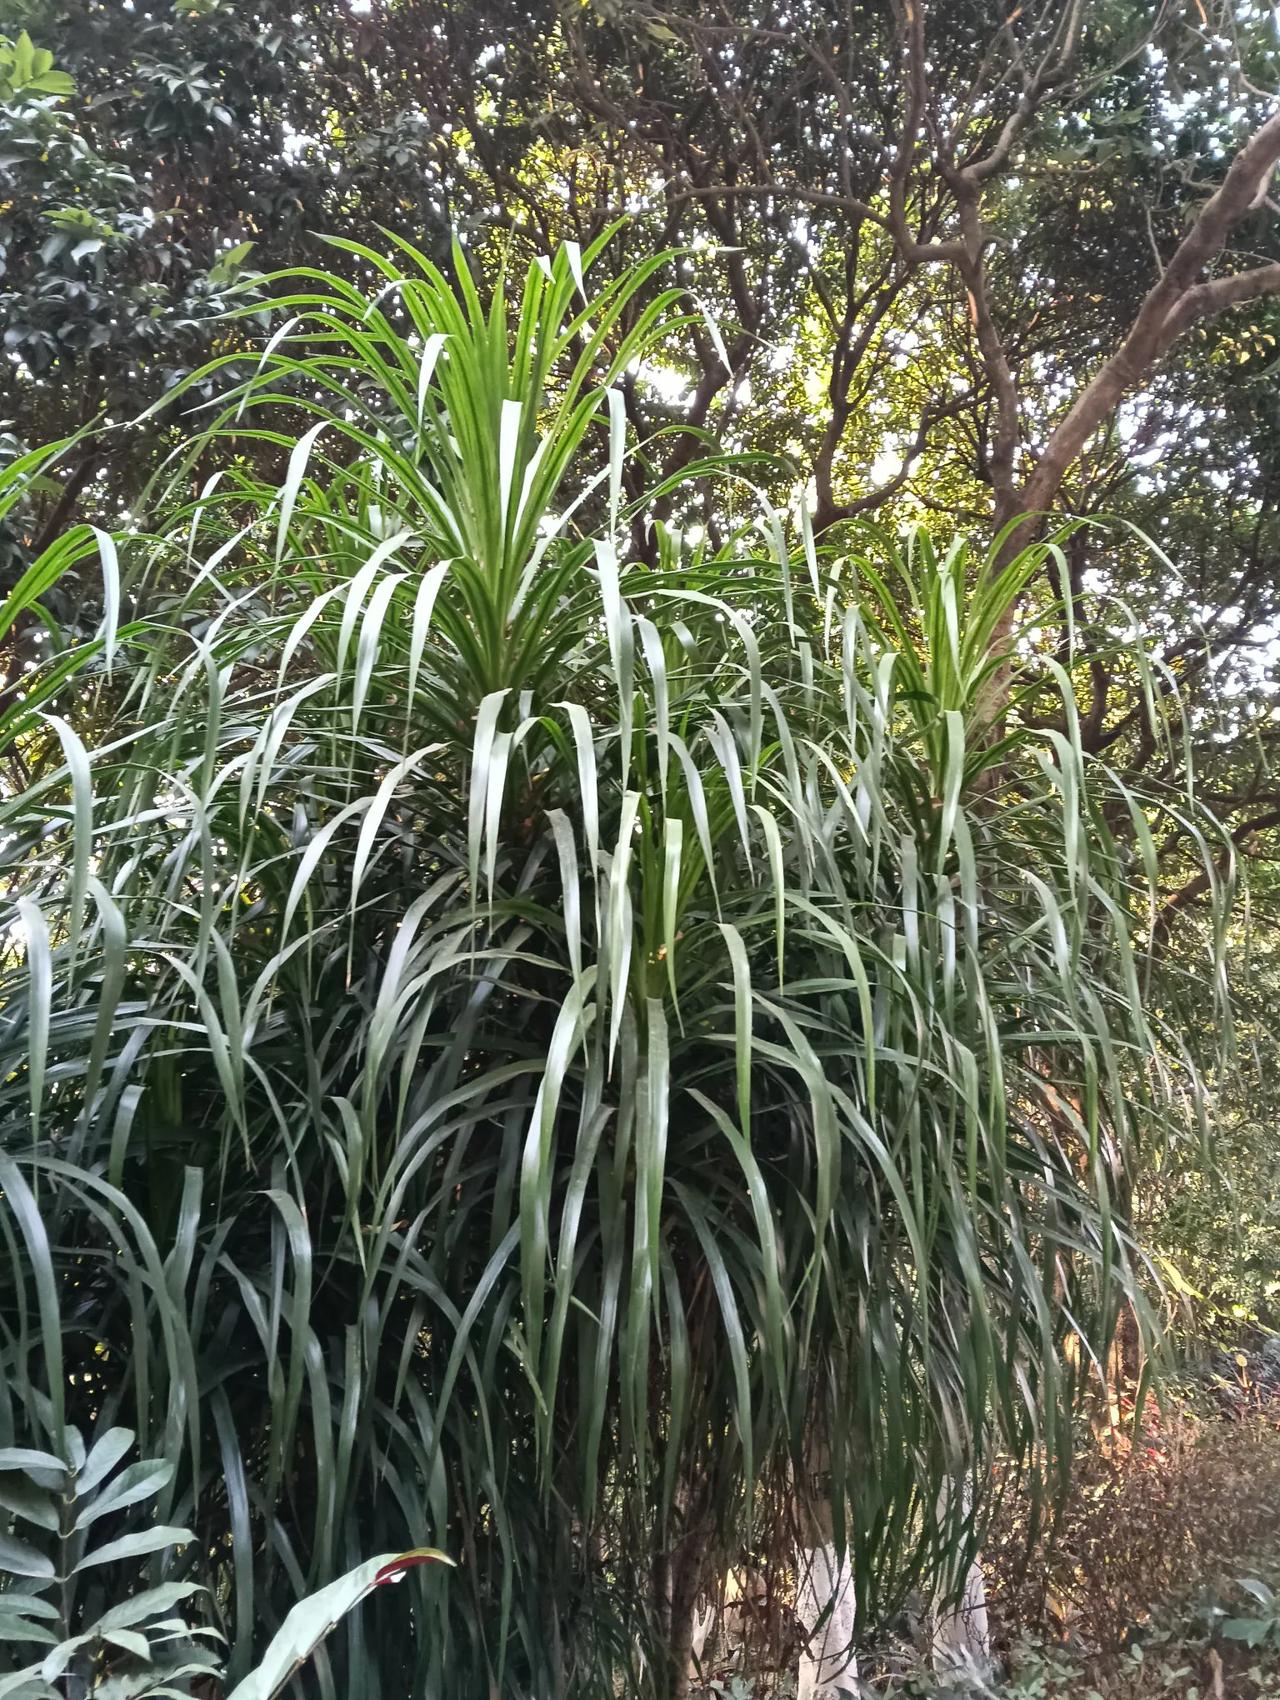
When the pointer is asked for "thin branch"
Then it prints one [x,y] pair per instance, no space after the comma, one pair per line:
[833,512]
[915,110]
[1207,877]
[1173,303]
[783,191]
[1052,71]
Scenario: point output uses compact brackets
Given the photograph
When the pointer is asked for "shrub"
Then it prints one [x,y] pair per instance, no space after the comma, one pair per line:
[536,1032]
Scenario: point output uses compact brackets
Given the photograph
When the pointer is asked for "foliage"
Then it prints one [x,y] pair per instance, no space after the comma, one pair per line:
[75,231]
[207,127]
[137,1647]
[1161,1585]
[28,70]
[1264,1623]
[316,1616]
[545,1052]
[1215,1229]
[1150,1518]
[1184,1653]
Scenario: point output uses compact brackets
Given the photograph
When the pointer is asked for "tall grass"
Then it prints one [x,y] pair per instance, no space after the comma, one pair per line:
[558,1057]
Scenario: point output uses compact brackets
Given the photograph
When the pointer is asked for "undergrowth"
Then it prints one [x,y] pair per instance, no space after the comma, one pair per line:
[1161,1580]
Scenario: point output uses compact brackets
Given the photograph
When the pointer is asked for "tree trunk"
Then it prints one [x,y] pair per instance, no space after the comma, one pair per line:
[684,1570]
[703,1623]
[825,1611]
[961,1635]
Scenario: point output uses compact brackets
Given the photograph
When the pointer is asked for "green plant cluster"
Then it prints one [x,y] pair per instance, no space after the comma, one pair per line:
[61,1575]
[527,1029]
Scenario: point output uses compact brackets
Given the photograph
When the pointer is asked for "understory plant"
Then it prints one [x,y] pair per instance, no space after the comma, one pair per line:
[143,1645]
[64,1600]
[530,1032]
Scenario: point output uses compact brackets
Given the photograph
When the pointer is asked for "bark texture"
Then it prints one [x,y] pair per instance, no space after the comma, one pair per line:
[825,1610]
[962,1637]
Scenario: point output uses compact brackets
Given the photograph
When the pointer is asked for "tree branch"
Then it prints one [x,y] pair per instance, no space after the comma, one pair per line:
[1173,303]
[915,107]
[1201,883]
[832,512]
[1053,69]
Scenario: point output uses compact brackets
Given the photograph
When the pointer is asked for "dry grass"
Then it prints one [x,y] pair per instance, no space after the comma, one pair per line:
[1128,1602]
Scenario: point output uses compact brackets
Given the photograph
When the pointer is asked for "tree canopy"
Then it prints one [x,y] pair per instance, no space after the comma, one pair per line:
[634,679]
[913,235]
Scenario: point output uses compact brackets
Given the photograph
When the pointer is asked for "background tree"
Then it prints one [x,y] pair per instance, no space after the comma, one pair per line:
[917,233]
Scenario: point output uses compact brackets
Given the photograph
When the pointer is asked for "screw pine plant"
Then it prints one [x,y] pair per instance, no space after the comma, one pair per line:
[561,1056]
